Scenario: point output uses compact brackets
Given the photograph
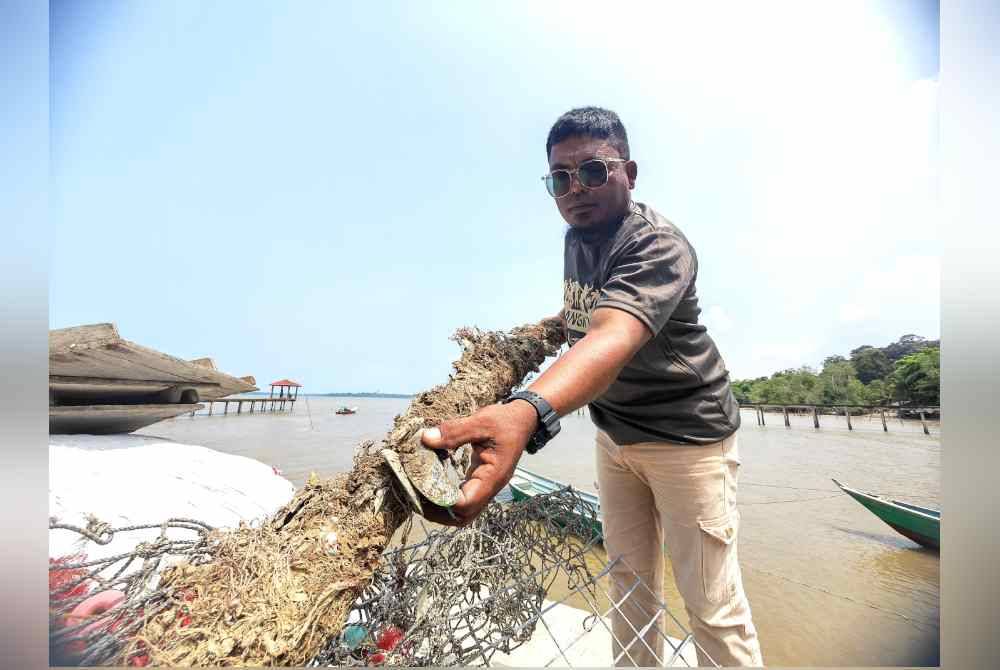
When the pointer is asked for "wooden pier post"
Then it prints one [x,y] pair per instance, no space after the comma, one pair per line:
[239,407]
[815,417]
[784,409]
[847,413]
[762,422]
[923,422]
[885,426]
[211,404]
[225,410]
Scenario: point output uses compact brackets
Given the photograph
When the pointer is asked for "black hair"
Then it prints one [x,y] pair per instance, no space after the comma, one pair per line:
[594,122]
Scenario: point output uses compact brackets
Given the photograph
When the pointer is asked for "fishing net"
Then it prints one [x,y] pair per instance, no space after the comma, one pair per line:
[458,597]
[274,592]
[314,584]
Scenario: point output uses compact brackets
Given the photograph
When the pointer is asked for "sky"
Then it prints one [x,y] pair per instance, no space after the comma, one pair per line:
[327,191]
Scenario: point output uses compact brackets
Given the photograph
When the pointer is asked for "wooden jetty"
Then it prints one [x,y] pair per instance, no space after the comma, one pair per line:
[100,383]
[760,408]
[287,394]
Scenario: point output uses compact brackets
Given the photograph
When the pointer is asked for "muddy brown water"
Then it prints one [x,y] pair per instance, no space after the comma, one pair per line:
[829,584]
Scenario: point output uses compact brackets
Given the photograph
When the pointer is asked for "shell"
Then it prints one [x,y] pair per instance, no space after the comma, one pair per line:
[392,460]
[437,479]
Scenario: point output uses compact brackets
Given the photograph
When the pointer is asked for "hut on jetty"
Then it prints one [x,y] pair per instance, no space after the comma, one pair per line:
[285,387]
[100,383]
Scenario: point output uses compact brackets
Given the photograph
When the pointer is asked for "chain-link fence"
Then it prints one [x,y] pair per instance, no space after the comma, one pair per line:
[527,584]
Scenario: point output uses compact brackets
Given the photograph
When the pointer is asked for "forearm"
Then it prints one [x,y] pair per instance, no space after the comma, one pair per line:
[591,365]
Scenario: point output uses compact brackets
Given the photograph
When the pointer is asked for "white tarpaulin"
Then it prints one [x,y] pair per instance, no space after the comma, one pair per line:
[126,480]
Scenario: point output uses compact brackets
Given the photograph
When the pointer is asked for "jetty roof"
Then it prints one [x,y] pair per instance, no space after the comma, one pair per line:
[286,382]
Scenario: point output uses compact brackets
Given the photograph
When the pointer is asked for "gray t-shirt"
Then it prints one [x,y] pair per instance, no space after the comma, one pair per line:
[676,388]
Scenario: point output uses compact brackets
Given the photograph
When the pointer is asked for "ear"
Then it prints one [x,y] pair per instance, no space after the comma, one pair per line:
[631,171]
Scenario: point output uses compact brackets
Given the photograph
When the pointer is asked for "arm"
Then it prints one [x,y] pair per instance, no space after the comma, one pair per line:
[499,433]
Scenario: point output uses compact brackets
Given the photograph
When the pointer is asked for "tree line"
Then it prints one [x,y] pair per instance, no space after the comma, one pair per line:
[906,372]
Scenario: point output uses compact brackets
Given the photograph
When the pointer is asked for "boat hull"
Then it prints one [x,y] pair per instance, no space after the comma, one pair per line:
[526,484]
[918,524]
[111,419]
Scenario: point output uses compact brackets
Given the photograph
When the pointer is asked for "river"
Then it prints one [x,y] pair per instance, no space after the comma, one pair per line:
[829,584]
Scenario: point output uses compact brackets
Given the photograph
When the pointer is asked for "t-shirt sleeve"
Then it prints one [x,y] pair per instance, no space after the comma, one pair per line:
[648,276]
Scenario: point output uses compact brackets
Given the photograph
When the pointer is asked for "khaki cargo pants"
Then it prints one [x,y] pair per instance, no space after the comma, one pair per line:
[658,496]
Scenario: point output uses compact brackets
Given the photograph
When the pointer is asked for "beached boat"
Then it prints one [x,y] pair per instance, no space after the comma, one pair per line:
[920,524]
[101,383]
[347,410]
[526,484]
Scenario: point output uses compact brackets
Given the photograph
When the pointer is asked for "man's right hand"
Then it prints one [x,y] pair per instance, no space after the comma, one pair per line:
[498,435]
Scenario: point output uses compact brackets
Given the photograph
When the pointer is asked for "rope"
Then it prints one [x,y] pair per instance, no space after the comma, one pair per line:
[931,627]
[782,486]
[309,412]
[775,502]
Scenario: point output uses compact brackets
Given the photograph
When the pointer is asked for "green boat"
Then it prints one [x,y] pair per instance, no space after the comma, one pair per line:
[920,524]
[526,484]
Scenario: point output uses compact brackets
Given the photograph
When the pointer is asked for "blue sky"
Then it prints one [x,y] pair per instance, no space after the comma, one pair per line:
[326,191]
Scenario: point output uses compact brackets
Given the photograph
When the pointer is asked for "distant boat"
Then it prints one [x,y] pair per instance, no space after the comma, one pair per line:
[526,484]
[920,524]
[347,410]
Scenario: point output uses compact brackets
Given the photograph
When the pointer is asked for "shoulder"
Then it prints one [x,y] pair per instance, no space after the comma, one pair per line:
[646,229]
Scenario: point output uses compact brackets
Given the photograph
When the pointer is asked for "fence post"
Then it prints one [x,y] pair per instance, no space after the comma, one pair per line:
[815,417]
[847,412]
[885,427]
[762,422]
[784,409]
[923,423]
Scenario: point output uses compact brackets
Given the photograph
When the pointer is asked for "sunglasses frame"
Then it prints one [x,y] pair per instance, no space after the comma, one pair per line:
[575,172]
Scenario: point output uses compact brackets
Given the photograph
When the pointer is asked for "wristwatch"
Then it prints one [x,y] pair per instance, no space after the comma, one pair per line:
[548,420]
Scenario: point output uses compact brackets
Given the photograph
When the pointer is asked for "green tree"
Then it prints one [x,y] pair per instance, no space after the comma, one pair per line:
[918,377]
[870,364]
[906,345]
[879,392]
[835,383]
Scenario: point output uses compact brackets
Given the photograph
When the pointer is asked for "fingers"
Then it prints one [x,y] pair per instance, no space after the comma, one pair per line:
[97,604]
[474,497]
[453,434]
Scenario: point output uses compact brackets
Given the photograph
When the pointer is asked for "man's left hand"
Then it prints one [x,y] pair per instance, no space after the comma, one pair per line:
[498,435]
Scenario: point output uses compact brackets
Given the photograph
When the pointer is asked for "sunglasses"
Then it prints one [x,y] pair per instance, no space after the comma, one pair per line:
[591,174]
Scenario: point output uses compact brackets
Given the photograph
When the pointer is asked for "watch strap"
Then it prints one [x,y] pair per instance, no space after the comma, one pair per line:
[548,419]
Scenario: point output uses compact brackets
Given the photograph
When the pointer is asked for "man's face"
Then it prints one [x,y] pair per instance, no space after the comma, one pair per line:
[585,208]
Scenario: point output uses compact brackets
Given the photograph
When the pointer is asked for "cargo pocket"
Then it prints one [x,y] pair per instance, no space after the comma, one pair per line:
[718,557]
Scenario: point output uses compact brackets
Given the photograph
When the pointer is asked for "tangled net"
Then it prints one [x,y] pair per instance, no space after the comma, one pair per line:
[275,592]
[460,596]
[454,598]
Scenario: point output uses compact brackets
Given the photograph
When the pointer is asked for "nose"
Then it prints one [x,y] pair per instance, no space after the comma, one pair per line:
[574,184]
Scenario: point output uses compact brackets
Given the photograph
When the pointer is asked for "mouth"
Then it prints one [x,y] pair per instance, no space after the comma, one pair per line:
[580,207]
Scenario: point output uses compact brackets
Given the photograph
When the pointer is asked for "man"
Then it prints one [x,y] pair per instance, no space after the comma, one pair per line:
[658,392]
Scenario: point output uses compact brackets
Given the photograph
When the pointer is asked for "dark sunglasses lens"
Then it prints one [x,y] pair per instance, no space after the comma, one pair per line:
[593,174]
[557,183]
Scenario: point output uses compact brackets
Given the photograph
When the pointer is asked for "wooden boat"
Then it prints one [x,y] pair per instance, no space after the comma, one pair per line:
[527,484]
[94,365]
[347,410]
[101,383]
[920,524]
